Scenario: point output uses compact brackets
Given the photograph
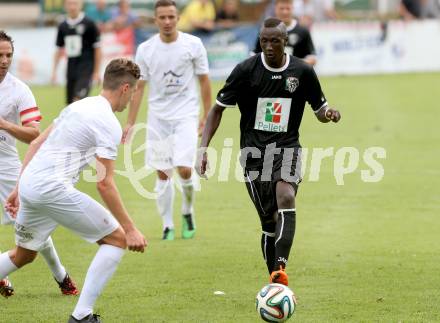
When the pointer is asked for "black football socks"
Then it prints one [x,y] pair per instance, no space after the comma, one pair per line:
[284,234]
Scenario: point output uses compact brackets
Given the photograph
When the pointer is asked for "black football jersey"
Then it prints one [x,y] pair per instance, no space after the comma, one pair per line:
[299,41]
[271,103]
[79,40]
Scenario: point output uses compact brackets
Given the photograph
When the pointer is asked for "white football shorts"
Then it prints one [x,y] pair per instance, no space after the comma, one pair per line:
[171,143]
[36,220]
[6,187]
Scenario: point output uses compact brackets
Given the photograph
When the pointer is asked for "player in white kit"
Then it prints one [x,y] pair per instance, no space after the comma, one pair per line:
[19,119]
[171,62]
[85,130]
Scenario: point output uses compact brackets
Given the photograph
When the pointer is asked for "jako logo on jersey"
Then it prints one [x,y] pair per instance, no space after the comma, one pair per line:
[276,77]
[273,112]
[2,138]
[291,84]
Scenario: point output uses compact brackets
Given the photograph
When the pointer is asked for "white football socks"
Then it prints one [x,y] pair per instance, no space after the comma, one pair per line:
[100,271]
[50,254]
[164,201]
[6,265]
[187,195]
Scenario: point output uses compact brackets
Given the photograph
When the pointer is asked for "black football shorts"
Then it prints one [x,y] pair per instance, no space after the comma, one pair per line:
[262,188]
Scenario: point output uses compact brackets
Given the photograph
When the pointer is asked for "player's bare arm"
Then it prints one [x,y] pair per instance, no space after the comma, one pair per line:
[326,114]
[310,59]
[97,65]
[59,52]
[25,133]
[205,89]
[111,197]
[133,109]
[212,123]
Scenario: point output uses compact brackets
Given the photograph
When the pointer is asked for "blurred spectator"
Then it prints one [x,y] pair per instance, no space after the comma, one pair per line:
[227,17]
[25,66]
[99,13]
[419,9]
[410,9]
[123,17]
[299,40]
[430,9]
[78,38]
[198,16]
[310,11]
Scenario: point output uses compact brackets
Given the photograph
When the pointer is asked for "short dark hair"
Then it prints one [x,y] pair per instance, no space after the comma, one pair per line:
[120,71]
[283,1]
[271,22]
[274,23]
[5,37]
[164,3]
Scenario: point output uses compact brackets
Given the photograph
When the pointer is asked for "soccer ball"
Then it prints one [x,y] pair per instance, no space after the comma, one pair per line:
[275,303]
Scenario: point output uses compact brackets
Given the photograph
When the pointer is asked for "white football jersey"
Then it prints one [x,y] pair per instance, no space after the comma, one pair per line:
[83,130]
[17,105]
[171,70]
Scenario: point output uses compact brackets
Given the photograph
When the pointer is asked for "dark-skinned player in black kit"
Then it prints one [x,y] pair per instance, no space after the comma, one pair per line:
[270,89]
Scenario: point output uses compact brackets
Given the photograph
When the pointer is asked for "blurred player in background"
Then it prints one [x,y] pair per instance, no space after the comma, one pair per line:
[19,119]
[271,90]
[171,61]
[78,38]
[85,130]
[299,40]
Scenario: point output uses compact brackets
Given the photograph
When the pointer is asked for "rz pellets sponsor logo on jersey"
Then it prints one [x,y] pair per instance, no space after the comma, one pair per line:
[272,114]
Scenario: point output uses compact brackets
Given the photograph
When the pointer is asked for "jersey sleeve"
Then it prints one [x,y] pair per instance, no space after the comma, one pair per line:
[142,65]
[310,48]
[62,115]
[200,60]
[107,152]
[27,107]
[60,37]
[228,95]
[314,95]
[95,36]
[107,142]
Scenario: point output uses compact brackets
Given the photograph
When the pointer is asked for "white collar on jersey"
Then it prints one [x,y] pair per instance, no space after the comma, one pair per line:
[292,25]
[6,79]
[75,21]
[107,102]
[280,69]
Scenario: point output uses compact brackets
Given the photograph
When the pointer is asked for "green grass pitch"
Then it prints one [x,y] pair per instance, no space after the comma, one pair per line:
[363,252]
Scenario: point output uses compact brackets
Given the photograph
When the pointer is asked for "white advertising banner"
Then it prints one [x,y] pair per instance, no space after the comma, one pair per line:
[365,48]
[33,55]
[343,48]
[34,50]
